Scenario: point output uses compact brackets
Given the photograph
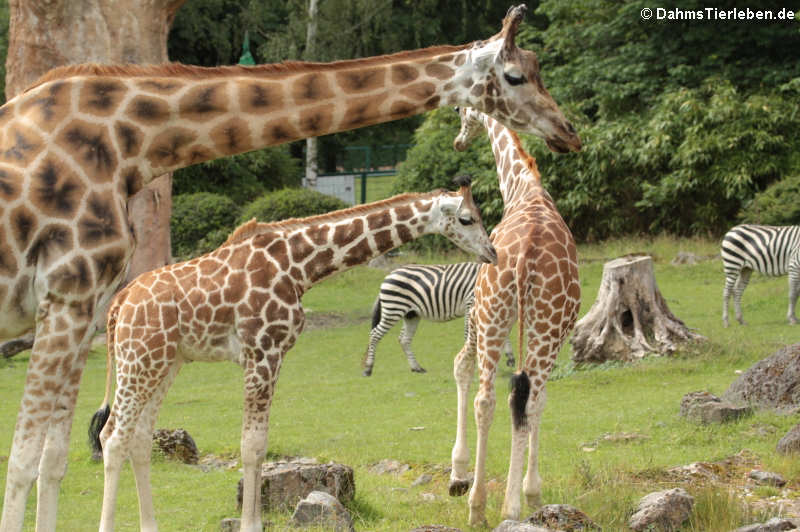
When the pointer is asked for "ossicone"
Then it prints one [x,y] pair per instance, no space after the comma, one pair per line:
[463,180]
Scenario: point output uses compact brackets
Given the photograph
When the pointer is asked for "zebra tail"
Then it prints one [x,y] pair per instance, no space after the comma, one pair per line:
[520,390]
[376,312]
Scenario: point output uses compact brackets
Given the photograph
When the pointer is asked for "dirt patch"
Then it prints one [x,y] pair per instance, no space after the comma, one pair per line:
[330,320]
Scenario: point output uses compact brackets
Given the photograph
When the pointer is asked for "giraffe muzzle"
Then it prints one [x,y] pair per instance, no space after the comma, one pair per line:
[489,256]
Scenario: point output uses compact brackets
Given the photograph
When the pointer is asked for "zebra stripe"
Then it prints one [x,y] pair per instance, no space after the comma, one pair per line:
[768,249]
[438,292]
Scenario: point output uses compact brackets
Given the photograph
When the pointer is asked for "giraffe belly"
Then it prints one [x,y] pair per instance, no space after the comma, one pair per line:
[212,348]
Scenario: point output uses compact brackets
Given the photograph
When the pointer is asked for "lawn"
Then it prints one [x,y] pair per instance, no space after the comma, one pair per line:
[325,409]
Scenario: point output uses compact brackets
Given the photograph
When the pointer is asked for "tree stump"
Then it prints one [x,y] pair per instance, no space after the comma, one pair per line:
[629,318]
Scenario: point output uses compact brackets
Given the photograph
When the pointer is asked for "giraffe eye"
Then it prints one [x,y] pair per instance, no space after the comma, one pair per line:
[466,220]
[514,80]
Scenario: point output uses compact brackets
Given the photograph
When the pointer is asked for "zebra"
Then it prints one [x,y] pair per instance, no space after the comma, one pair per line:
[438,292]
[772,250]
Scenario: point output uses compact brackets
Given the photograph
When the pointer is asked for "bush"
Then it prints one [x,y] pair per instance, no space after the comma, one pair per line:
[201,222]
[778,204]
[290,203]
[241,177]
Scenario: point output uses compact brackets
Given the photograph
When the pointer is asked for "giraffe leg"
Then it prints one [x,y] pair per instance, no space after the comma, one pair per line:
[123,434]
[53,464]
[54,372]
[738,290]
[410,325]
[141,450]
[520,430]
[484,413]
[260,381]
[532,484]
[463,371]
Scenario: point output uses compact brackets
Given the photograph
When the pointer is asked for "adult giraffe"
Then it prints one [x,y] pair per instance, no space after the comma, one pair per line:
[78,143]
[535,281]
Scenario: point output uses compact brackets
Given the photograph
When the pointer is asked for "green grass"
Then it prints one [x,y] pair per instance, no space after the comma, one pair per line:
[378,188]
[325,409]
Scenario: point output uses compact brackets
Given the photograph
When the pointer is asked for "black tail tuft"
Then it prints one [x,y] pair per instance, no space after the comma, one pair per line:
[520,390]
[96,425]
[376,312]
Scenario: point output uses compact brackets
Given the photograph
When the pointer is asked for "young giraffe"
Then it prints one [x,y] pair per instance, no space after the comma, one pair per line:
[535,281]
[77,144]
[241,302]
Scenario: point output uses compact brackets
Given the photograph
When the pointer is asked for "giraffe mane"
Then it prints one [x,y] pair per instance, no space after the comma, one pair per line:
[253,227]
[527,158]
[199,72]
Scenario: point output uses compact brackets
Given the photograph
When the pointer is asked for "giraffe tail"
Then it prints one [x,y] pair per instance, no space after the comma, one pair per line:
[520,390]
[520,382]
[100,418]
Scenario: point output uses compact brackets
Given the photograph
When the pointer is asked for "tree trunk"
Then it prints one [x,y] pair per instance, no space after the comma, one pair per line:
[312,169]
[44,34]
[629,318]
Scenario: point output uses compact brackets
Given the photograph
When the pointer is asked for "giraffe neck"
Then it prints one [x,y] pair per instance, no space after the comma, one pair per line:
[517,172]
[327,244]
[158,119]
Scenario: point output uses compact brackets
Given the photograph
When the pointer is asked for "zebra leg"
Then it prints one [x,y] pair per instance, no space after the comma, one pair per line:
[726,296]
[738,290]
[375,336]
[794,291]
[509,351]
[410,325]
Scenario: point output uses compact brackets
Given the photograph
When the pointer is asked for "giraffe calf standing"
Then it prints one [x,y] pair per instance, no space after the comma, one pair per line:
[241,303]
[534,282]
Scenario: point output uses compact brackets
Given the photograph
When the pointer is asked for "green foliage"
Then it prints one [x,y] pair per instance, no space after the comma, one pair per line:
[201,222]
[681,123]
[290,203]
[778,204]
[241,177]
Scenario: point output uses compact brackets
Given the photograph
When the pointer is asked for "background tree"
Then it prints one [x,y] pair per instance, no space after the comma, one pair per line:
[44,34]
[683,122]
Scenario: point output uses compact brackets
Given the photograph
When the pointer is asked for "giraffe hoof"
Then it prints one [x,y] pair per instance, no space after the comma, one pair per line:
[419,370]
[458,487]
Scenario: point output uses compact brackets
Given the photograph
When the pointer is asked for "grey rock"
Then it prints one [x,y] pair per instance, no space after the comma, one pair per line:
[322,509]
[790,443]
[776,524]
[176,444]
[284,483]
[515,526]
[766,478]
[685,257]
[707,408]
[563,517]
[423,479]
[774,382]
[389,466]
[662,510]
[230,524]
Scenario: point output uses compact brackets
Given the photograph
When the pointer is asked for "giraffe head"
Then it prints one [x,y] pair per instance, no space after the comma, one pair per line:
[456,216]
[472,124]
[506,84]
